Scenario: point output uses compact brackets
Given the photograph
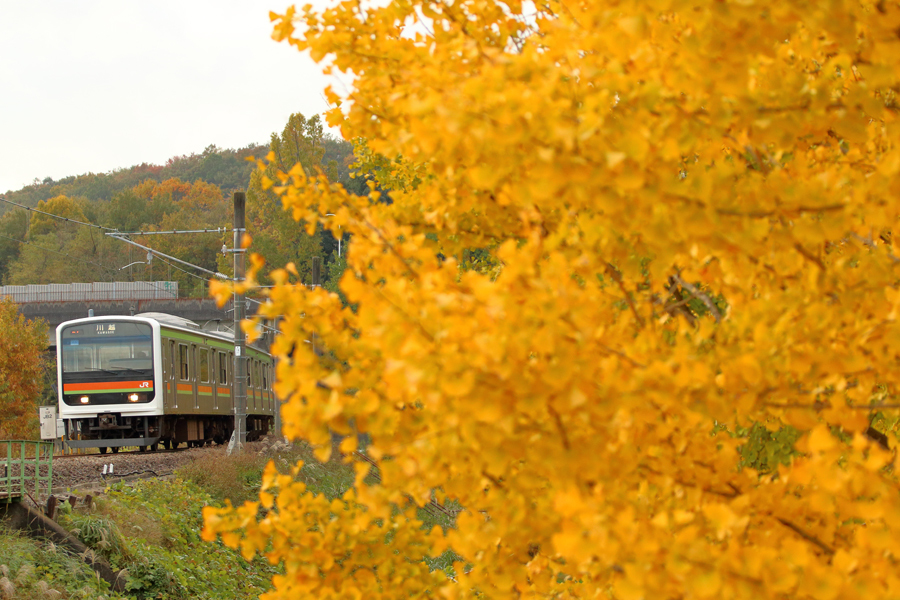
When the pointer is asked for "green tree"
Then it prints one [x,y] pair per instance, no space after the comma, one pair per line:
[13,229]
[67,256]
[22,344]
[276,236]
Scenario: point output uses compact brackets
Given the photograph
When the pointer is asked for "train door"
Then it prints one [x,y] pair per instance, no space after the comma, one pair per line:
[214,379]
[223,395]
[256,386]
[168,373]
[269,388]
[265,387]
[204,381]
[251,387]
[194,379]
[229,364]
[183,387]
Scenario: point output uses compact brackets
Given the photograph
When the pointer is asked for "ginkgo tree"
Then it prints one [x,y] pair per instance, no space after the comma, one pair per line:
[690,206]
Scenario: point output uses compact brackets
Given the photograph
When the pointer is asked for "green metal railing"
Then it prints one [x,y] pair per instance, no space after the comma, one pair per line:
[26,467]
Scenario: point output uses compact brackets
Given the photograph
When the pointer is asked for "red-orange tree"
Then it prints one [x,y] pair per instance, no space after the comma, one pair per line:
[22,344]
[692,206]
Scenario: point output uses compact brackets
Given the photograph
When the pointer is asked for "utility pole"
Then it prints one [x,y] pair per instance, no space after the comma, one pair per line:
[316,271]
[240,364]
[316,276]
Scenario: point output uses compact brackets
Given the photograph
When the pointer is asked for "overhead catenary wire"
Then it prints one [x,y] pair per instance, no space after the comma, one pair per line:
[116,234]
[67,219]
[177,268]
[90,262]
[154,284]
[176,231]
[119,236]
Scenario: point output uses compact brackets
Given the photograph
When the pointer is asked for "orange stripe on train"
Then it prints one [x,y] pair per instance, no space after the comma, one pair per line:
[107,385]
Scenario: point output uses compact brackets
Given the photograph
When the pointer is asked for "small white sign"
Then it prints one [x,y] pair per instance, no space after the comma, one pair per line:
[237,350]
[48,422]
[60,428]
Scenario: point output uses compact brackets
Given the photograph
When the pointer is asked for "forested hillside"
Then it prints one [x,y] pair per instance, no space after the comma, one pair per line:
[189,192]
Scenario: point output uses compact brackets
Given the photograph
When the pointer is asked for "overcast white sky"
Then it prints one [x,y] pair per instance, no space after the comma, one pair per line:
[97,85]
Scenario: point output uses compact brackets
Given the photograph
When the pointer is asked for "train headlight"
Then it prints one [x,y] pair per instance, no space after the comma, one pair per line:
[85,399]
[133,397]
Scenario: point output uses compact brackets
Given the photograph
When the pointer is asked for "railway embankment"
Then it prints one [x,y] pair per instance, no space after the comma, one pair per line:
[139,535]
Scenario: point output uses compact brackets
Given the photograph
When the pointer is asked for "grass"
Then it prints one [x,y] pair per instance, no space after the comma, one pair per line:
[239,478]
[30,569]
[152,530]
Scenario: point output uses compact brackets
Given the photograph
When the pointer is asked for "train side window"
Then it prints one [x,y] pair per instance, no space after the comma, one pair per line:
[223,368]
[252,373]
[184,362]
[204,364]
[172,358]
[265,376]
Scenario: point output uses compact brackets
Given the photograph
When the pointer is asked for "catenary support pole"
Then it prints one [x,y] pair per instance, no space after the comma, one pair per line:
[316,276]
[240,354]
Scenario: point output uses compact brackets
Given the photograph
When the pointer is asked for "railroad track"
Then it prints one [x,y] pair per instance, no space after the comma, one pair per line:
[114,454]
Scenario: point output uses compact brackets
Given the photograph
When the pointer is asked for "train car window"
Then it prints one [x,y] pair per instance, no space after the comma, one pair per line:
[252,373]
[172,358]
[265,376]
[223,368]
[204,364]
[184,362]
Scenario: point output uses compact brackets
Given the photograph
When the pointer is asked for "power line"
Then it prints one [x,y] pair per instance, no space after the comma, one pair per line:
[90,262]
[154,284]
[182,270]
[118,236]
[2,199]
[216,230]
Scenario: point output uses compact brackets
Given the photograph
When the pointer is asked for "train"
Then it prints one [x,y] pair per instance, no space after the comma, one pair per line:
[155,379]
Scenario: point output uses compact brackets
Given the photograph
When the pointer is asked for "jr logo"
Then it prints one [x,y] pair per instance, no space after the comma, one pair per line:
[144,384]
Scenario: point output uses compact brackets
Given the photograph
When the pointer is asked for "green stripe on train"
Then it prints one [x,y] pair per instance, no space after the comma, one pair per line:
[186,337]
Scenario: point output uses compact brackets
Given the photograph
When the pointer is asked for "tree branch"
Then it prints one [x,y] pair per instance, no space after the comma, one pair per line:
[806,536]
[559,426]
[809,256]
[617,277]
[871,244]
[693,291]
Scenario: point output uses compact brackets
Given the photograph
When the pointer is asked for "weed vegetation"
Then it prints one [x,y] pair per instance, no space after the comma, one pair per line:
[41,570]
[151,531]
[239,478]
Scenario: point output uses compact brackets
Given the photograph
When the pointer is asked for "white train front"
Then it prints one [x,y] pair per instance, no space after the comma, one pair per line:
[154,378]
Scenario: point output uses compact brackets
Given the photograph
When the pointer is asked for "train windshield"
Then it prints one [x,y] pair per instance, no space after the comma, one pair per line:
[113,348]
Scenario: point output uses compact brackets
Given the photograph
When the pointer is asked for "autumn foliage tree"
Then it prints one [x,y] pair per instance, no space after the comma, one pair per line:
[691,206]
[276,236]
[22,344]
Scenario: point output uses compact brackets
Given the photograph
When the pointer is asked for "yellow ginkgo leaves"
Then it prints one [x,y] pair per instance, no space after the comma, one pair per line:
[683,215]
